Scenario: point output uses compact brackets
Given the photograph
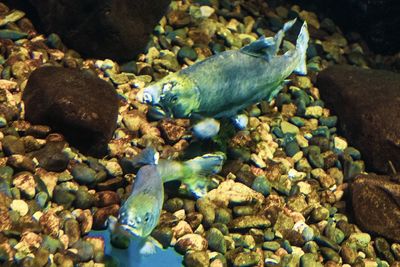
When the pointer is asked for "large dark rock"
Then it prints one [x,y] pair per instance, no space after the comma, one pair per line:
[376,205]
[115,29]
[376,20]
[367,103]
[51,157]
[76,103]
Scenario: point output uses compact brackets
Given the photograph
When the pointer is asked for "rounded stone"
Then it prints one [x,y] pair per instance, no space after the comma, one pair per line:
[76,103]
[216,240]
[197,259]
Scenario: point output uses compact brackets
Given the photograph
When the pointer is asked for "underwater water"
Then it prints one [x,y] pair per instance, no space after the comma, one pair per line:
[131,258]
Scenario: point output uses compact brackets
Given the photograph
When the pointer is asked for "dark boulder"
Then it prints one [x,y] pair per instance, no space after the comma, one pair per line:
[115,29]
[76,103]
[376,20]
[367,103]
[376,205]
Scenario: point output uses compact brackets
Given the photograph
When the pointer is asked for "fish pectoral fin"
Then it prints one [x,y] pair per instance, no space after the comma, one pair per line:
[206,128]
[111,223]
[149,246]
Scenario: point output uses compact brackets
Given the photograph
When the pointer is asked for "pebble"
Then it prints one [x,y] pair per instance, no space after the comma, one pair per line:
[246,259]
[250,221]
[314,112]
[216,240]
[197,259]
[20,206]
[191,242]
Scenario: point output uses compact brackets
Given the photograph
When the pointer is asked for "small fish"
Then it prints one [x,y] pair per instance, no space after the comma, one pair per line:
[140,213]
[226,83]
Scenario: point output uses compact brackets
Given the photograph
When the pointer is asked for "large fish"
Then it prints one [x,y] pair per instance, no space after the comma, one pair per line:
[226,83]
[140,213]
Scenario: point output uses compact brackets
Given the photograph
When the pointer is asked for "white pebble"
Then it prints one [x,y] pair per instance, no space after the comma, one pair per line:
[314,111]
[20,206]
[206,11]
[340,143]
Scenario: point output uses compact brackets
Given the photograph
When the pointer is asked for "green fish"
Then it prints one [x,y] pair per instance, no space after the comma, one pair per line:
[223,85]
[140,213]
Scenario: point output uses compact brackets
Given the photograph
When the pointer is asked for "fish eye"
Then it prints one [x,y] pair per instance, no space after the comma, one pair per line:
[147,217]
[147,98]
[174,99]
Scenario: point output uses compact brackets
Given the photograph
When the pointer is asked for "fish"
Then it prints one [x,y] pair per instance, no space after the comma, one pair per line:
[225,84]
[140,213]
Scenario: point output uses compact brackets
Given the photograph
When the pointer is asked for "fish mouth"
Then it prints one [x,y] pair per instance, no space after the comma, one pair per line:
[131,230]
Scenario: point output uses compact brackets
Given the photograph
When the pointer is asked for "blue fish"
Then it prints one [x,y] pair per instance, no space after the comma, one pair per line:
[224,84]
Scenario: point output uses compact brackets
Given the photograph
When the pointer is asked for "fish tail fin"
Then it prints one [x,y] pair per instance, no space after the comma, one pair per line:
[207,164]
[301,47]
[278,38]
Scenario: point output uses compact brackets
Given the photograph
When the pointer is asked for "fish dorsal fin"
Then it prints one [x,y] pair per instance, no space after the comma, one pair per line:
[263,47]
[268,47]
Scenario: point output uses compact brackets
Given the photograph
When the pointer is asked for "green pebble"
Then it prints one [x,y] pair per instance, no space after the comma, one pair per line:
[243,210]
[271,245]
[222,227]
[6,173]
[262,185]
[287,127]
[277,131]
[307,234]
[3,122]
[217,48]
[187,52]
[223,215]
[84,200]
[321,131]
[298,121]
[292,149]
[318,103]
[310,260]
[319,214]
[207,209]
[282,99]
[283,222]
[72,230]
[51,244]
[12,35]
[326,242]
[301,107]
[83,174]
[173,204]
[316,160]
[330,254]
[41,199]
[216,240]
[269,234]
[63,197]
[353,152]
[353,168]
[245,259]
[247,222]
[330,121]
[286,245]
[311,247]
